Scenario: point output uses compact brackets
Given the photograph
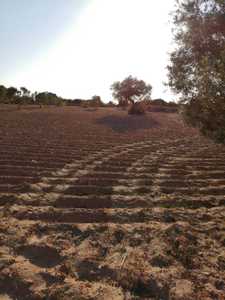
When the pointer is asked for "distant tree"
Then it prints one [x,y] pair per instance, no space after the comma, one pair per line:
[3,92]
[12,94]
[33,96]
[197,68]
[25,91]
[47,98]
[130,90]
[24,96]
[110,104]
[42,98]
[96,100]
[75,102]
[60,101]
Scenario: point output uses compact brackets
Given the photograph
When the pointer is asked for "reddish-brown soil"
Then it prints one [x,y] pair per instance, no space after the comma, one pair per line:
[102,205]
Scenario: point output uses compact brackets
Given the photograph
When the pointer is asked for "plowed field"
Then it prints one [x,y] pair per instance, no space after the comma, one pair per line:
[102,205]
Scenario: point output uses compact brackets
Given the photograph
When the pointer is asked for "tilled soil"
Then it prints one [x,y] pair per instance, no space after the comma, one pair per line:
[101,205]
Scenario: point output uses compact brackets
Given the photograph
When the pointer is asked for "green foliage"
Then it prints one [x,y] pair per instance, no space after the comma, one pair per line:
[130,90]
[197,69]
[23,96]
[12,95]
[46,98]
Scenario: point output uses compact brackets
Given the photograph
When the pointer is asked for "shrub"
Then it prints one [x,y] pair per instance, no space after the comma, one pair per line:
[137,108]
[210,120]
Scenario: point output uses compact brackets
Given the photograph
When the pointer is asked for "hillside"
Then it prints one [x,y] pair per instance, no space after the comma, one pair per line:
[97,204]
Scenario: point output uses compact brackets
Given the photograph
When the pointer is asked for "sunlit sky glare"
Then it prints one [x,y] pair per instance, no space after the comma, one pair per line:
[78,48]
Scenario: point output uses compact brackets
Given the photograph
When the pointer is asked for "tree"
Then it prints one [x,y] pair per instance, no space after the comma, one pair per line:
[130,90]
[12,94]
[3,91]
[96,101]
[25,91]
[197,68]
[47,98]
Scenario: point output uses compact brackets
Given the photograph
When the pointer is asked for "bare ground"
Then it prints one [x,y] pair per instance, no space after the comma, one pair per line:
[101,205]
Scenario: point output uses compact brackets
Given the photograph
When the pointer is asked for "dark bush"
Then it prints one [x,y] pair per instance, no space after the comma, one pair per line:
[137,108]
[210,120]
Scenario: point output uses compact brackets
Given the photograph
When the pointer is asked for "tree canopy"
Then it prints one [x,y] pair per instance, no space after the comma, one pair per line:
[130,90]
[12,95]
[197,68]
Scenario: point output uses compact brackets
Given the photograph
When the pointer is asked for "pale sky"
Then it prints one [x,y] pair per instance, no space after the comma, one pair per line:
[87,45]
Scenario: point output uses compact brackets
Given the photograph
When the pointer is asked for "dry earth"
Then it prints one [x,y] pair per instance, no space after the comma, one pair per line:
[101,205]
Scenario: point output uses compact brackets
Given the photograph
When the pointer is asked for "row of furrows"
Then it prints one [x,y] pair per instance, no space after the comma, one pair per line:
[112,182]
[116,215]
[81,167]
[30,164]
[131,176]
[73,180]
[110,170]
[105,201]
[198,173]
[45,145]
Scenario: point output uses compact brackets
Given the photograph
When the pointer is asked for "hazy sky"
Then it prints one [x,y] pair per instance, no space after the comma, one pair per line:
[78,48]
